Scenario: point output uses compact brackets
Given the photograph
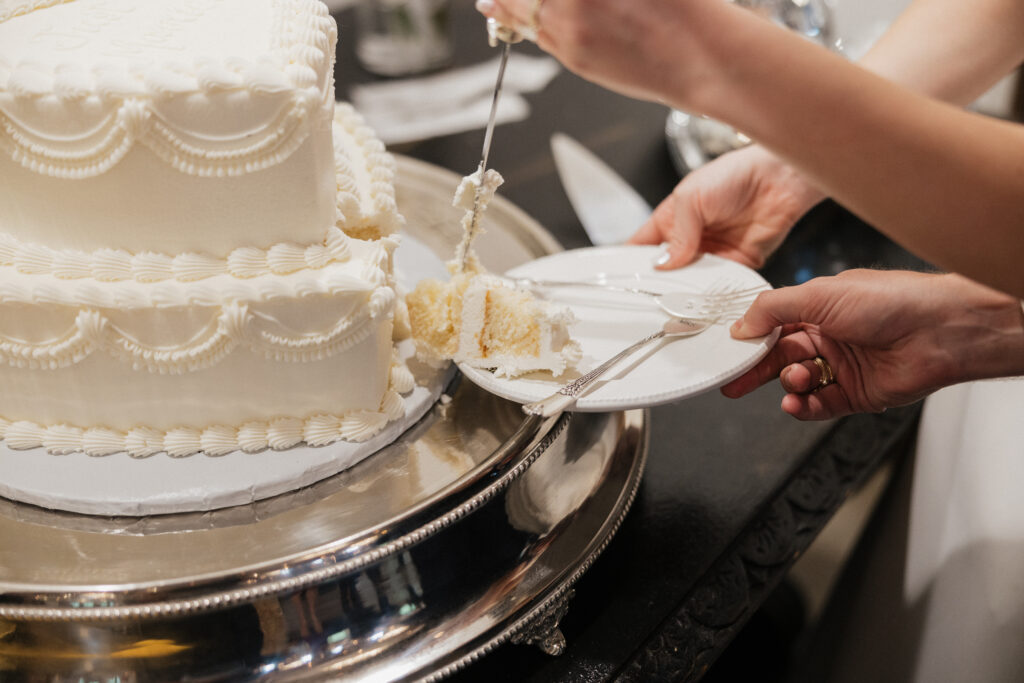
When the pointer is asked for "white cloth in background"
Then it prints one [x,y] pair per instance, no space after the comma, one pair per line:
[935,592]
[451,101]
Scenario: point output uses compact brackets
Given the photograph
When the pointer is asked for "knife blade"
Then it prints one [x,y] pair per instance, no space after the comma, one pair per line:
[607,206]
[496,34]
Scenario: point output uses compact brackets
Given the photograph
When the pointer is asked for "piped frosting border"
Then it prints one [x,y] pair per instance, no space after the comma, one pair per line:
[370,204]
[118,265]
[14,8]
[252,436]
[142,442]
[302,57]
[362,272]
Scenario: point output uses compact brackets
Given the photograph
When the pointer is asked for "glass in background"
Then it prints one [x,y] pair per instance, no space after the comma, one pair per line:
[403,37]
[695,140]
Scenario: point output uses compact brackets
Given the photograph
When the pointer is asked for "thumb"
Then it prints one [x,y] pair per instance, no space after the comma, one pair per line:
[687,228]
[675,223]
[659,229]
[770,309]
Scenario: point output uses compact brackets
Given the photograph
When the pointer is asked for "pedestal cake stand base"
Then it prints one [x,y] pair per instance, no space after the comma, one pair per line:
[466,532]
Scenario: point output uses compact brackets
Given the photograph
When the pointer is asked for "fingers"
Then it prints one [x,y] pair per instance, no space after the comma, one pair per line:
[788,350]
[496,10]
[515,14]
[770,310]
[826,404]
[674,224]
[806,376]
[688,225]
[806,400]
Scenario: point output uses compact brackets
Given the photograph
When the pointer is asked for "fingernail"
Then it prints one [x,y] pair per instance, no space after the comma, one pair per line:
[484,6]
[784,375]
[665,255]
[736,327]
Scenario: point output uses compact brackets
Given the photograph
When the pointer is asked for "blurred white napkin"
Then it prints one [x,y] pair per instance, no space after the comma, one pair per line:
[453,101]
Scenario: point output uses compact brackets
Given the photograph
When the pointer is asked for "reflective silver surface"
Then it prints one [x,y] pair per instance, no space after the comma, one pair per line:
[466,532]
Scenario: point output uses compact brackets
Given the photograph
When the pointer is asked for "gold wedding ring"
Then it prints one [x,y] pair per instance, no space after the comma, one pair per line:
[827,376]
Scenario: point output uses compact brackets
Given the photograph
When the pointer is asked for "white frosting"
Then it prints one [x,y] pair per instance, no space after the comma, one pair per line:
[194,244]
[556,350]
[316,341]
[118,70]
[357,274]
[136,113]
[114,265]
[473,195]
[85,247]
[142,442]
[480,320]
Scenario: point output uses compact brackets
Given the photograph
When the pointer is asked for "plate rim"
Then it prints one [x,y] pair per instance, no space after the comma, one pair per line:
[486,380]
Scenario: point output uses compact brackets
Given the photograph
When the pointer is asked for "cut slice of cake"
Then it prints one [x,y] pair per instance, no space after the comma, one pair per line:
[482,320]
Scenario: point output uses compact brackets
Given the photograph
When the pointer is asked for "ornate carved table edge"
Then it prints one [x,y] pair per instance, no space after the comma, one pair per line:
[697,631]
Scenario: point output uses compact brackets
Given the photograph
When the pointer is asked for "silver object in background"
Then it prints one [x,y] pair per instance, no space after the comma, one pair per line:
[607,206]
[403,37]
[694,140]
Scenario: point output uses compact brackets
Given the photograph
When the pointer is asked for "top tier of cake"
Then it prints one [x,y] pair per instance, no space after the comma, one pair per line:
[133,127]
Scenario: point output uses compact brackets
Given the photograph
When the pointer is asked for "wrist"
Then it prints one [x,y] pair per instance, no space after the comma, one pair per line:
[996,323]
[703,80]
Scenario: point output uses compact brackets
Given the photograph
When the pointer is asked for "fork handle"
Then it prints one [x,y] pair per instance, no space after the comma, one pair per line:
[566,397]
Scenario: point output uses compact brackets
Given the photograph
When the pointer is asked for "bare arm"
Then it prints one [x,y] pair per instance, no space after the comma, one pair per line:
[890,338]
[945,183]
[950,50]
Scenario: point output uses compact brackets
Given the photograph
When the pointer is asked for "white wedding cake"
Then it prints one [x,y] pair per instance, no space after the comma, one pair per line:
[195,242]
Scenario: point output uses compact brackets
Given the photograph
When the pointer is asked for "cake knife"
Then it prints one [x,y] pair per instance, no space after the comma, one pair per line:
[496,33]
[608,207]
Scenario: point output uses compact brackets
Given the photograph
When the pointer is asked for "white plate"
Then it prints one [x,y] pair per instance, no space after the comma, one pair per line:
[608,323]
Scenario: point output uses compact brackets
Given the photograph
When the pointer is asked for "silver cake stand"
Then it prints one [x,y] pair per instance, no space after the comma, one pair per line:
[467,532]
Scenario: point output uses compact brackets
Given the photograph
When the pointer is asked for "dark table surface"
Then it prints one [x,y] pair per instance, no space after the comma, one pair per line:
[734,489]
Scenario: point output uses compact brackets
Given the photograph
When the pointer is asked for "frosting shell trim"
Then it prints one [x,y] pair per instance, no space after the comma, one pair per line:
[143,442]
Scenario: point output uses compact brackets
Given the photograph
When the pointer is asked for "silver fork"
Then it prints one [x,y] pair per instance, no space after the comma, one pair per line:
[566,397]
[711,304]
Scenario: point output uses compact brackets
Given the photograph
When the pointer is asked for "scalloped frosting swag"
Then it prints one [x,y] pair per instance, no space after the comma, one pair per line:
[234,327]
[216,113]
[302,55]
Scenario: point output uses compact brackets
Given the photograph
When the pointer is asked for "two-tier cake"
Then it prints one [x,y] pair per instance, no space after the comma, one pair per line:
[195,242]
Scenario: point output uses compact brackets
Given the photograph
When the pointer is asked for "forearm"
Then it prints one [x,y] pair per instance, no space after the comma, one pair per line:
[983,330]
[949,49]
[946,184]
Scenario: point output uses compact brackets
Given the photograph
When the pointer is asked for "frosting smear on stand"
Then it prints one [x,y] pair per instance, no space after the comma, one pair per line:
[483,320]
